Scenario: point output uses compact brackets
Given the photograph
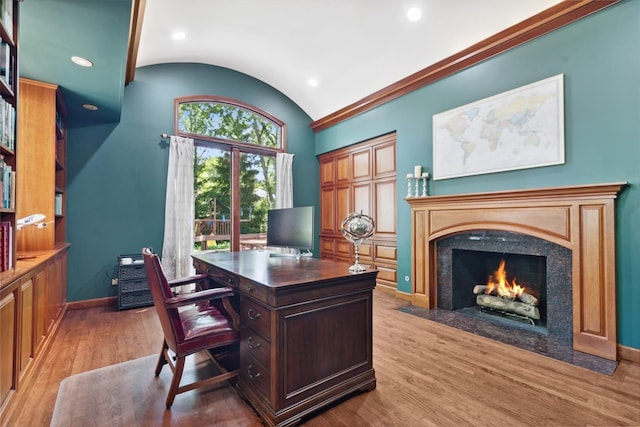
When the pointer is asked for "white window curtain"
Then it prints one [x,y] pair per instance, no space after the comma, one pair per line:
[284,180]
[179,211]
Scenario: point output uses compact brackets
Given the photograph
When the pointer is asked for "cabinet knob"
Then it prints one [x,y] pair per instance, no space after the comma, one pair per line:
[251,313]
[250,289]
[251,344]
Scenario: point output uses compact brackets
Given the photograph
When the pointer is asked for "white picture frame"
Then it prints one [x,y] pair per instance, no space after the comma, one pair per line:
[518,129]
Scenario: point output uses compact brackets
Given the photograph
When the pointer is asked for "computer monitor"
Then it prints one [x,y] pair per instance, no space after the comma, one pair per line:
[291,228]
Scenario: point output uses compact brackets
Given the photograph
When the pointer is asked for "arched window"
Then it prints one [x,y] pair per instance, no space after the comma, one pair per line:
[228,121]
[234,169]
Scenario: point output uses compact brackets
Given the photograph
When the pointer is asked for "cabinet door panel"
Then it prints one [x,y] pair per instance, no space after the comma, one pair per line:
[327,210]
[7,342]
[41,307]
[308,336]
[385,159]
[343,205]
[362,164]
[26,327]
[362,198]
[327,175]
[342,168]
[385,196]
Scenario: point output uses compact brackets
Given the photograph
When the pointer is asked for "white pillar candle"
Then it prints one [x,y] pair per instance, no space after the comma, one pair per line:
[425,174]
[409,176]
[417,170]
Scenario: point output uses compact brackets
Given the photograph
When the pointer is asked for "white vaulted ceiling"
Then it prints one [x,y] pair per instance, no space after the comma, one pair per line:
[351,47]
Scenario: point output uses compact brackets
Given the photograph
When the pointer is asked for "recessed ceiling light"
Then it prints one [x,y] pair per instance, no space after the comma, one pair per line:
[83,62]
[90,107]
[312,82]
[414,14]
[178,35]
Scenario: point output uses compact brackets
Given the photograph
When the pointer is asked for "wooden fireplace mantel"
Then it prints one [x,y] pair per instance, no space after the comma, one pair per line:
[580,218]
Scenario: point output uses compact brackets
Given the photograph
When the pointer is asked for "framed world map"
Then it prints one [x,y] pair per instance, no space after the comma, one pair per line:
[519,129]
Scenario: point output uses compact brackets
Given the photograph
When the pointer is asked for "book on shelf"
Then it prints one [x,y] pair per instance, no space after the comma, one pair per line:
[6,64]
[6,245]
[58,204]
[7,124]
[6,15]
[7,185]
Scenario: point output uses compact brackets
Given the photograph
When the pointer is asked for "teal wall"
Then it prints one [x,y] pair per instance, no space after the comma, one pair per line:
[116,174]
[117,179]
[599,59]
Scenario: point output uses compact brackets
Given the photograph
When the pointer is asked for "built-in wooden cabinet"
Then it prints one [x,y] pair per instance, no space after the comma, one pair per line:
[32,303]
[42,161]
[361,177]
[8,321]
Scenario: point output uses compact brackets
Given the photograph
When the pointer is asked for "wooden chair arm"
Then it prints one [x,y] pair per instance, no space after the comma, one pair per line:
[188,280]
[235,317]
[195,297]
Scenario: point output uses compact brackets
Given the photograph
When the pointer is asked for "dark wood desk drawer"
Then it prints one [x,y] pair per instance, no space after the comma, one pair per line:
[253,290]
[222,278]
[255,376]
[255,346]
[255,316]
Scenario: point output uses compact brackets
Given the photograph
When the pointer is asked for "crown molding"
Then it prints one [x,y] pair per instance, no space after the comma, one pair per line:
[548,20]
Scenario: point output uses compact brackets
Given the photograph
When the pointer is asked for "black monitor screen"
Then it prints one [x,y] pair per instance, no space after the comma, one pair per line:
[290,227]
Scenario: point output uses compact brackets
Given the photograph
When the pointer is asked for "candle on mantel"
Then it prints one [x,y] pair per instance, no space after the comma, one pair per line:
[409,176]
[417,170]
[425,174]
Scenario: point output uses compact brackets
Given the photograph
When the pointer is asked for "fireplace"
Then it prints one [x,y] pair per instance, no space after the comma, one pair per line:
[467,262]
[571,229]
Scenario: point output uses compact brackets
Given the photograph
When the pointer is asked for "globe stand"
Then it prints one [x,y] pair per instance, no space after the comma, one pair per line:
[357,267]
[357,227]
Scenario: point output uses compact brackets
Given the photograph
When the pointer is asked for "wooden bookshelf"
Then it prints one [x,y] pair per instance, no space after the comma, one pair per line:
[42,160]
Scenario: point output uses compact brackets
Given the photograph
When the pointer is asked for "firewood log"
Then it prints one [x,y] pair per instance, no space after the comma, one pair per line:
[510,306]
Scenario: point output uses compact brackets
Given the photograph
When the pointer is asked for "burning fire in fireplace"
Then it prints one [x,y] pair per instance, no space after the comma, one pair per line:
[506,297]
[501,286]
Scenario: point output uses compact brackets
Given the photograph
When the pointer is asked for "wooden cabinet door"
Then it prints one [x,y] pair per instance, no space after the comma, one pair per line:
[343,205]
[327,210]
[327,172]
[385,210]
[343,168]
[40,289]
[8,311]
[26,324]
[362,198]
[385,160]
[361,165]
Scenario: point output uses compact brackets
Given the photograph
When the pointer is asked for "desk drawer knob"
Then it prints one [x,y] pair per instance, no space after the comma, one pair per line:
[230,280]
[250,289]
[252,314]
[251,344]
[250,374]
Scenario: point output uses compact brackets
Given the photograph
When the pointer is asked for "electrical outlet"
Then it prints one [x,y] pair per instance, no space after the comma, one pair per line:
[114,282]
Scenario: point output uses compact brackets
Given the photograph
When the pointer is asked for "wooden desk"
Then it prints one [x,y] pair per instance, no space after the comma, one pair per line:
[306,336]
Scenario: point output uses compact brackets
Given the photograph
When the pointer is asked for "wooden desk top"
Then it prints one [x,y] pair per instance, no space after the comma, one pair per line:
[278,272]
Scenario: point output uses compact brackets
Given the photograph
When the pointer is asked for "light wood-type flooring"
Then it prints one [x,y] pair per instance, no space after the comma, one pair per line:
[428,374]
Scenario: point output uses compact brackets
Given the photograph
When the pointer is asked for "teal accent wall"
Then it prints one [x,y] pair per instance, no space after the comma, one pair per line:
[599,59]
[116,173]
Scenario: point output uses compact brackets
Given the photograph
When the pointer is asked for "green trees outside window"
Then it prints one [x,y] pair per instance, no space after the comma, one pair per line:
[234,169]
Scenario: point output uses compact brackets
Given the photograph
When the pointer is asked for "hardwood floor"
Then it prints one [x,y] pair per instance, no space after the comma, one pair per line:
[428,374]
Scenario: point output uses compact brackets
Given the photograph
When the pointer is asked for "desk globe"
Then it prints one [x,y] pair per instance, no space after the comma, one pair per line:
[355,228]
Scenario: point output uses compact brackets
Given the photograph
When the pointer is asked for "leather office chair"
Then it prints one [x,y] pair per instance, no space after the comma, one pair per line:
[193,322]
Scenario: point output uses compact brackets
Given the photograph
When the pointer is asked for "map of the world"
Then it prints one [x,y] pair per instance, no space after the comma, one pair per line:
[519,129]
